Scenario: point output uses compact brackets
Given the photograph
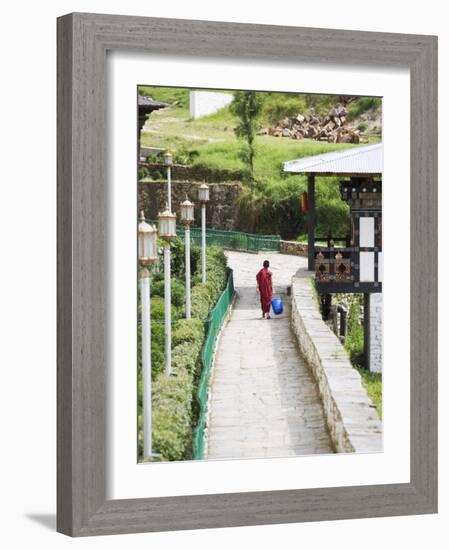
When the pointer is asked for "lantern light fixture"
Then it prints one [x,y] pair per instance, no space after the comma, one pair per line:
[187,212]
[203,193]
[168,158]
[147,242]
[167,225]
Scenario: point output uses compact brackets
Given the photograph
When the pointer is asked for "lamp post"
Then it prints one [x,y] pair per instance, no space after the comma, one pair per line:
[167,231]
[147,255]
[203,196]
[187,217]
[168,160]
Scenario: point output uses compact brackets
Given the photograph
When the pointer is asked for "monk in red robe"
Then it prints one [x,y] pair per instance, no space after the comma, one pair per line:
[265,288]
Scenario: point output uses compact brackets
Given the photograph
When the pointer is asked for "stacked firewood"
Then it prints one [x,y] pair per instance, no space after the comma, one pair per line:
[332,128]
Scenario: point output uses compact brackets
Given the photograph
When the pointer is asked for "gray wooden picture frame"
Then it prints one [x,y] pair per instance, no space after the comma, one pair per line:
[83,40]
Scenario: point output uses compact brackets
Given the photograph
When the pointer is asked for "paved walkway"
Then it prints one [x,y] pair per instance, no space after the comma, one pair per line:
[264,401]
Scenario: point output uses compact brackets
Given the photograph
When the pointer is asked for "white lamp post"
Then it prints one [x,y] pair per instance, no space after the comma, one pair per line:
[168,160]
[147,256]
[203,196]
[187,217]
[167,231]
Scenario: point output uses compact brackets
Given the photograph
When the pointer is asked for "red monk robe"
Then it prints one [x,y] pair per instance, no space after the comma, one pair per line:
[265,287]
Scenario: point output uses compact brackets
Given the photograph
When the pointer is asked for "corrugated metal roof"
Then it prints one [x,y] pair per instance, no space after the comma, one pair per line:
[366,159]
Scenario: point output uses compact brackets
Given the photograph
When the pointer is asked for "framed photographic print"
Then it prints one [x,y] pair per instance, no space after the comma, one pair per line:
[246,274]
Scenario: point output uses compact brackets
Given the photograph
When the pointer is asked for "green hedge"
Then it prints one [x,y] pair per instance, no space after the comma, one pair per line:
[204,296]
[178,292]
[174,405]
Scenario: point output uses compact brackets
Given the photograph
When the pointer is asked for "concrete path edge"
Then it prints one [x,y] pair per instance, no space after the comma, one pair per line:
[352,419]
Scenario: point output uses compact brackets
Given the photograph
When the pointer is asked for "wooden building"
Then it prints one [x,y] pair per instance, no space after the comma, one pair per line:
[352,262]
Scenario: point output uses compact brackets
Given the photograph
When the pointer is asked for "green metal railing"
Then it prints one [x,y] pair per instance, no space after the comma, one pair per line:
[235,240]
[212,327]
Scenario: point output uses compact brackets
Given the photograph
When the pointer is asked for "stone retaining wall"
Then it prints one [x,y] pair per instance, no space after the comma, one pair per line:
[220,210]
[192,172]
[294,248]
[352,419]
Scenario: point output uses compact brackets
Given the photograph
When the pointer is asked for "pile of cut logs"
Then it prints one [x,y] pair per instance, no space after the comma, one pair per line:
[332,128]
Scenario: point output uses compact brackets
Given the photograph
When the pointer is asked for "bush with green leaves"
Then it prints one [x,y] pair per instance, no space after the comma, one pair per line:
[178,291]
[354,342]
[362,105]
[174,405]
[172,414]
[204,296]
[158,309]
[186,356]
[157,348]
[355,337]
[143,173]
[187,330]
[178,266]
[200,302]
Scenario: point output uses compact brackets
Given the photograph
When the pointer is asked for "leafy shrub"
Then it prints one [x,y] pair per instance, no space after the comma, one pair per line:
[157,287]
[172,404]
[186,355]
[372,382]
[184,156]
[157,349]
[332,218]
[178,266]
[275,209]
[158,309]
[354,342]
[187,330]
[362,105]
[178,291]
[332,214]
[156,175]
[200,305]
[143,173]
[200,171]
[154,158]
[354,345]
[279,106]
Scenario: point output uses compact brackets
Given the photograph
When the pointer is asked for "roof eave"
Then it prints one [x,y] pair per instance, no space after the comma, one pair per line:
[346,174]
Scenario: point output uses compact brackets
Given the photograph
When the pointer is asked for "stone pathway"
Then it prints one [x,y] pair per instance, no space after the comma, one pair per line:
[263,399]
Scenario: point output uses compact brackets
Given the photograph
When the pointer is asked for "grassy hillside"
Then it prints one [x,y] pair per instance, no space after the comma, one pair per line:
[211,140]
[277,105]
[210,143]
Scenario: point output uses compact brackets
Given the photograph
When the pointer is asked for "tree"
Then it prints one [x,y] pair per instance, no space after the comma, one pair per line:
[247,107]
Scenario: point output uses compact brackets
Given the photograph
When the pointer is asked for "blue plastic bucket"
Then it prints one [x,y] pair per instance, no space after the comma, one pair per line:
[277,305]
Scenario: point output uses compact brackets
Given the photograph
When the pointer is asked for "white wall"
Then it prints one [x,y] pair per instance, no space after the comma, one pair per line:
[376,312]
[207,103]
[27,298]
